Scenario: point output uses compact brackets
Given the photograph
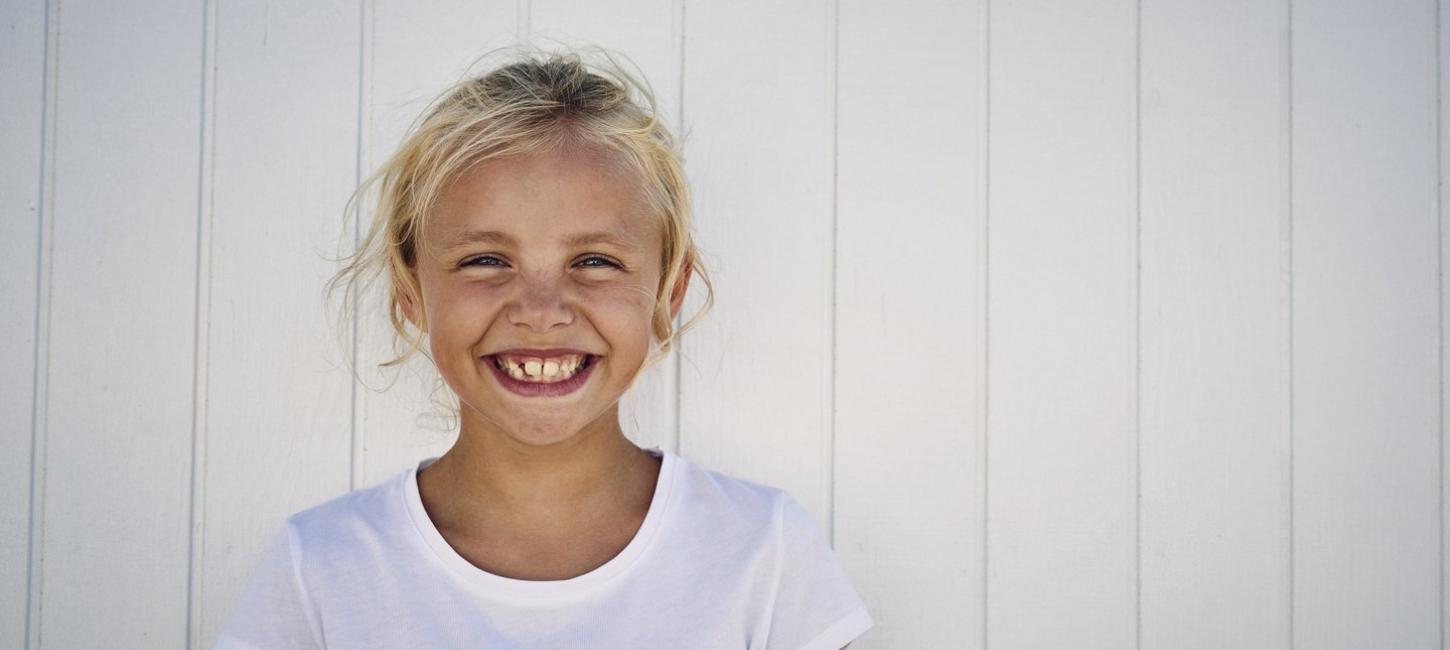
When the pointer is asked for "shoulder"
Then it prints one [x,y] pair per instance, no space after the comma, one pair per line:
[309,559]
[805,599]
[744,500]
[727,500]
[726,487]
[815,604]
[357,519]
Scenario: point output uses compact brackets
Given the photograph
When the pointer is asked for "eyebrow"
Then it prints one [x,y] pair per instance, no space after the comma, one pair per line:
[495,237]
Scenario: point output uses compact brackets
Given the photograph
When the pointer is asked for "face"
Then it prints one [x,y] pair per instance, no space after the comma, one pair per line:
[534,263]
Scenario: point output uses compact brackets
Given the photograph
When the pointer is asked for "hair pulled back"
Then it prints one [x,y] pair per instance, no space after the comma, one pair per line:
[538,102]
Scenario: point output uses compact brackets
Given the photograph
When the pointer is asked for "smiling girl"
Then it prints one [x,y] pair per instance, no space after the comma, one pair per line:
[535,228]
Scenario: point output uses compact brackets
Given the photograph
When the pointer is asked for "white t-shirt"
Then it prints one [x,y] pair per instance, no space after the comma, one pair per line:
[719,562]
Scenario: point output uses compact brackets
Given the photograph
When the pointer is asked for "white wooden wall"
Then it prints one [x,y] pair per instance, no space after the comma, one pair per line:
[1094,325]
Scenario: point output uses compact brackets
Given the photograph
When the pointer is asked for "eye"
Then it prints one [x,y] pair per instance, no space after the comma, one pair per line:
[606,262]
[481,259]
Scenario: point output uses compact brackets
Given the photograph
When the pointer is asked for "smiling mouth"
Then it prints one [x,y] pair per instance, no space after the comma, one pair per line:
[542,370]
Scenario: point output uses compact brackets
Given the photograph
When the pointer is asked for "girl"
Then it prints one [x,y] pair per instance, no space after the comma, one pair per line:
[535,227]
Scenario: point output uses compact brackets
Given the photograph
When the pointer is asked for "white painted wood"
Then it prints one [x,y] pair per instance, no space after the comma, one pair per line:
[118,462]
[416,50]
[910,331]
[1061,556]
[1443,118]
[22,105]
[1366,327]
[283,157]
[1001,246]
[1215,326]
[649,34]
[755,378]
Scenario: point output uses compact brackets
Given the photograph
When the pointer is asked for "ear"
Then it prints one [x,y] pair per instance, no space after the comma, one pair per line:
[677,295]
[408,302]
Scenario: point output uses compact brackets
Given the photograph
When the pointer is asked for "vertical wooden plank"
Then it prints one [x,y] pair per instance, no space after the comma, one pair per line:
[755,380]
[649,34]
[196,623]
[1062,312]
[416,50]
[1215,345]
[278,407]
[118,475]
[1366,454]
[22,110]
[910,327]
[1442,70]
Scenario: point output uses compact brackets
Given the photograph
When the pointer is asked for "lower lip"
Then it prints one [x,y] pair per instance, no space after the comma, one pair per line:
[532,389]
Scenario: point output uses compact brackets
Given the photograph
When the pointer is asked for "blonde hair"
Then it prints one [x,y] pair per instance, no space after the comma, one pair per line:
[537,102]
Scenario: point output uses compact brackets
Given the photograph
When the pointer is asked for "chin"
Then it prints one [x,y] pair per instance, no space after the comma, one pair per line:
[544,436]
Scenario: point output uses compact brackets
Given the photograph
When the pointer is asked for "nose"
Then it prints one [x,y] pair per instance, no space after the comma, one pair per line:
[543,303]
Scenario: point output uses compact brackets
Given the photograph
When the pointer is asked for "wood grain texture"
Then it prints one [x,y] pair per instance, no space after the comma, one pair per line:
[118,461]
[278,395]
[1215,326]
[1062,438]
[1366,327]
[910,331]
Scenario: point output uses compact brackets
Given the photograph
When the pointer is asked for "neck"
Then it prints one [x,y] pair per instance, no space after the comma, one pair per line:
[490,481]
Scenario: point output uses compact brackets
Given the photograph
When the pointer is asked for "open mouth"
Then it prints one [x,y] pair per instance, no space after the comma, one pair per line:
[536,376]
[543,370]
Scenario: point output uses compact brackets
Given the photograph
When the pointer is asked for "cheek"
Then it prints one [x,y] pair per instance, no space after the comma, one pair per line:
[621,297]
[624,310]
[459,311]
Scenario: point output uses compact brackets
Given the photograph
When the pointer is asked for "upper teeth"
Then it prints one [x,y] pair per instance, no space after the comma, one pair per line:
[536,368]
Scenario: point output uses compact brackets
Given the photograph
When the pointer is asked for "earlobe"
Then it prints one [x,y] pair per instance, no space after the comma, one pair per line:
[404,296]
[677,296]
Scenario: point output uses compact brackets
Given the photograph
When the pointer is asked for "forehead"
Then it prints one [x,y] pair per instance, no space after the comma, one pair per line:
[565,197]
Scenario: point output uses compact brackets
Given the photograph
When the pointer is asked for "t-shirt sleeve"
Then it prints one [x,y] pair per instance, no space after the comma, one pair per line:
[274,611]
[815,606]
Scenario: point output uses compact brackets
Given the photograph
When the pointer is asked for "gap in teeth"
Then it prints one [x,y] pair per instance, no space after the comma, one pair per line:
[540,370]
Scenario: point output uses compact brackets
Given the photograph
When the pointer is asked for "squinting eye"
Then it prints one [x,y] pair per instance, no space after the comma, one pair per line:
[480,258]
[606,261]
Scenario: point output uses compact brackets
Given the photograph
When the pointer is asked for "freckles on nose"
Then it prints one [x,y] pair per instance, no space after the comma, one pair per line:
[542,299]
[543,290]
